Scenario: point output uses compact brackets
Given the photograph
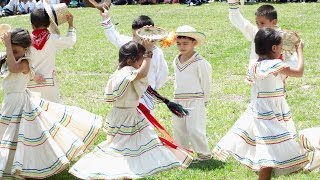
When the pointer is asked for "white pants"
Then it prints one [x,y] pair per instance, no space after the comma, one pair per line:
[192,128]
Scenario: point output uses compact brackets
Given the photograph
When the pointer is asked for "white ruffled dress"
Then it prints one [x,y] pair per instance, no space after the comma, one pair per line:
[132,149]
[265,136]
[39,138]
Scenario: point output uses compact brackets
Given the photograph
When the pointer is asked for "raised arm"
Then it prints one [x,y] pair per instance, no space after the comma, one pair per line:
[70,39]
[145,66]
[237,20]
[299,69]
[13,65]
[111,33]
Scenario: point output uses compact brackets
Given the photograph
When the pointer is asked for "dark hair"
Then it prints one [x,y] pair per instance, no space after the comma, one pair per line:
[130,53]
[142,21]
[19,37]
[186,37]
[39,18]
[268,11]
[265,39]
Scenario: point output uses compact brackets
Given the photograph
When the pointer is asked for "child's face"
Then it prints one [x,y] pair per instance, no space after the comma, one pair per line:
[18,51]
[277,49]
[262,22]
[138,63]
[186,45]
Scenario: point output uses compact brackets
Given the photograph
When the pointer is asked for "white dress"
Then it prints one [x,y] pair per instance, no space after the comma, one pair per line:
[265,137]
[39,138]
[132,149]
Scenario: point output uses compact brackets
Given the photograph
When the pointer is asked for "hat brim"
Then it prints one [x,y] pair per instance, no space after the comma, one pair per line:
[198,36]
[53,17]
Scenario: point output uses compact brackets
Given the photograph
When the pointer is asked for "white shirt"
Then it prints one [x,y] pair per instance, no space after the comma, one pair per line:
[193,78]
[44,60]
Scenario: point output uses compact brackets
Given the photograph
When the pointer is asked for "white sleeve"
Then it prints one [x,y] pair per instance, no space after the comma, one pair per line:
[205,75]
[64,42]
[247,29]
[162,71]
[113,35]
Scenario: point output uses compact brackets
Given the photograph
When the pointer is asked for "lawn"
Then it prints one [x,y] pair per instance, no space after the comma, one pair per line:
[84,70]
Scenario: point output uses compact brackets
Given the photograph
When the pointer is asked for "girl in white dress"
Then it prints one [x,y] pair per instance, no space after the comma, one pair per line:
[132,149]
[265,140]
[37,138]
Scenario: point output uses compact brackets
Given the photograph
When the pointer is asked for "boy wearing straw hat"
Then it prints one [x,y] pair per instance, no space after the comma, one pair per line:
[46,44]
[158,72]
[193,78]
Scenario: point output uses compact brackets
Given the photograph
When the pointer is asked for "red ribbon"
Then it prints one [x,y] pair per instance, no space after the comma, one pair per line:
[168,140]
[39,38]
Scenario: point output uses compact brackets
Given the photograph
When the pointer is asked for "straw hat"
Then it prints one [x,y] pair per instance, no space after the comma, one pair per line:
[189,31]
[57,14]
[4,28]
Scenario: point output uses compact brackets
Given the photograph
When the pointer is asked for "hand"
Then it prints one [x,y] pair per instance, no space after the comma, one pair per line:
[6,38]
[38,78]
[300,46]
[105,14]
[70,20]
[148,44]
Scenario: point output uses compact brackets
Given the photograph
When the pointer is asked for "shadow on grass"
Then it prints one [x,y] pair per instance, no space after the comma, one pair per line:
[209,165]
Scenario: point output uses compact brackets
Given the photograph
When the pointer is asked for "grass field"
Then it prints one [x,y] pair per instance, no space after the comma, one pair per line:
[84,70]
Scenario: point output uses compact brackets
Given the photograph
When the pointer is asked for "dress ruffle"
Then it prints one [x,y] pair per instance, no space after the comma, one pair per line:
[40,138]
[310,140]
[132,150]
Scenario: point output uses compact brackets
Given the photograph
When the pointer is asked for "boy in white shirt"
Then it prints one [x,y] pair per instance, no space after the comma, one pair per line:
[193,79]
[158,72]
[45,46]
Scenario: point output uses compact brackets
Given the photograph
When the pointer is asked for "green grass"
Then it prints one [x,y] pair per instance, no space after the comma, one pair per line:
[84,71]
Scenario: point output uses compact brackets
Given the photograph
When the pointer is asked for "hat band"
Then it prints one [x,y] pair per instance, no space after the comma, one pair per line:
[54,15]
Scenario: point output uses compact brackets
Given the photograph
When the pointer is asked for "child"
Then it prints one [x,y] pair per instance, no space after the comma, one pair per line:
[45,46]
[193,79]
[159,71]
[37,138]
[23,7]
[132,148]
[11,8]
[266,16]
[265,140]
[32,5]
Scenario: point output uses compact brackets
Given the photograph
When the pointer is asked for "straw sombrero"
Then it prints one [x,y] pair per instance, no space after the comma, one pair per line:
[4,28]
[290,40]
[152,33]
[57,14]
[189,31]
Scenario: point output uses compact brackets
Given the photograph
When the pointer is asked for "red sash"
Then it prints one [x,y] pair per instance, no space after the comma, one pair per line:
[167,139]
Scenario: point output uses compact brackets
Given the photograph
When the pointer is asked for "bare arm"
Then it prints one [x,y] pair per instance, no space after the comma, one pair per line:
[297,71]
[13,65]
[145,66]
